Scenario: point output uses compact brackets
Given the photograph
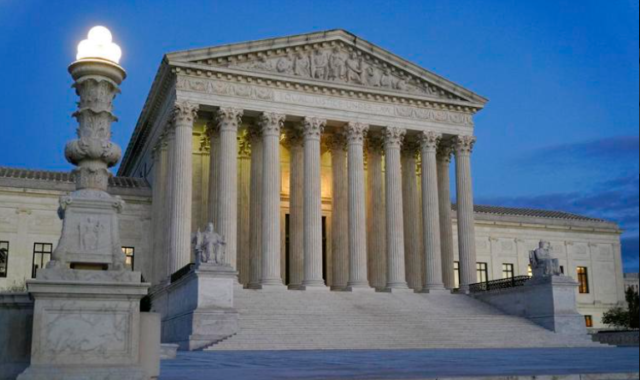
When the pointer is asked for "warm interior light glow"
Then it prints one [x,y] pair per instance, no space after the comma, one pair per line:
[99,44]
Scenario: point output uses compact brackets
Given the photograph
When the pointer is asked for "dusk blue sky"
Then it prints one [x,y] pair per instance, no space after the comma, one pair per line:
[560,130]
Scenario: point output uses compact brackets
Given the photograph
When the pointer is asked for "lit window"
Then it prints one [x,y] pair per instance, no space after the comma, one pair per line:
[456,274]
[41,256]
[583,280]
[129,253]
[530,271]
[4,258]
[483,272]
[508,271]
[588,320]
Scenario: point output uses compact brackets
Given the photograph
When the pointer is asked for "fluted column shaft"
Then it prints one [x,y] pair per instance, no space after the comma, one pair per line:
[446,221]
[159,189]
[228,120]
[166,222]
[411,214]
[255,208]
[296,208]
[396,279]
[376,215]
[431,212]
[271,125]
[313,265]
[213,133]
[181,183]
[466,217]
[358,271]
[339,218]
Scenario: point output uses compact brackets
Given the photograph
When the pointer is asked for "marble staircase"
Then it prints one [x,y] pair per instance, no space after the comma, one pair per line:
[295,320]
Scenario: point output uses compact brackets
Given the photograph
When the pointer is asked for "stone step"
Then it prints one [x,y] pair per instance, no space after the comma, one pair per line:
[290,320]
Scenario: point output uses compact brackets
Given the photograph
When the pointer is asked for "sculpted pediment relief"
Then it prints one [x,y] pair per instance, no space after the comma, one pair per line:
[333,62]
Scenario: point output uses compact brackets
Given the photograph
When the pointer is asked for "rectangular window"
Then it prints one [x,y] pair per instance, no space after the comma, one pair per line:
[4,258]
[588,320]
[129,253]
[508,271]
[456,274]
[583,280]
[530,271]
[41,256]
[562,269]
[483,272]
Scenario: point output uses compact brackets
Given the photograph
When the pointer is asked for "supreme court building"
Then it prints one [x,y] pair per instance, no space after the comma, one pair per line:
[328,164]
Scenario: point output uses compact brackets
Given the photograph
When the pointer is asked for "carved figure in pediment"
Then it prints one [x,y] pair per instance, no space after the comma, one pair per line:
[285,65]
[354,69]
[337,66]
[320,65]
[262,64]
[387,80]
[302,65]
[371,76]
[401,85]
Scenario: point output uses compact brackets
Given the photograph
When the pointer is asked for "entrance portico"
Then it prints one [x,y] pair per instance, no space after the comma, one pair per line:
[322,97]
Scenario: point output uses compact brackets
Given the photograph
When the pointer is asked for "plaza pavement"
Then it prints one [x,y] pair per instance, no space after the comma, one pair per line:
[401,365]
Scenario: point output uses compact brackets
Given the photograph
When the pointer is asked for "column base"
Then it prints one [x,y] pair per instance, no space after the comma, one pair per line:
[295,287]
[439,291]
[271,287]
[360,289]
[315,287]
[396,290]
[253,287]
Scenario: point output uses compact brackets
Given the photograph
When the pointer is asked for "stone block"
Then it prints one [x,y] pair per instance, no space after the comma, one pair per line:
[16,320]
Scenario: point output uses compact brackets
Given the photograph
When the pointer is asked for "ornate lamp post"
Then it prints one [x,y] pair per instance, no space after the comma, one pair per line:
[87,320]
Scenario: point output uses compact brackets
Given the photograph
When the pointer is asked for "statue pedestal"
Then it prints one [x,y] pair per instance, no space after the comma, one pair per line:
[548,301]
[552,304]
[197,309]
[86,325]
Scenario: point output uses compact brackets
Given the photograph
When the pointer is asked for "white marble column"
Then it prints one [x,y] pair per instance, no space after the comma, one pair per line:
[339,216]
[358,271]
[431,213]
[445,151]
[255,208]
[296,208]
[466,217]
[396,275]
[160,271]
[313,265]
[271,124]
[184,116]
[166,215]
[411,215]
[244,207]
[226,222]
[376,215]
[213,134]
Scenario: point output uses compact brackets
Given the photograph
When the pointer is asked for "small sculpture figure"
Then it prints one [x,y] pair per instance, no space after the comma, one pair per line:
[208,245]
[354,69]
[387,80]
[542,262]
[302,65]
[320,65]
[371,76]
[285,65]
[337,66]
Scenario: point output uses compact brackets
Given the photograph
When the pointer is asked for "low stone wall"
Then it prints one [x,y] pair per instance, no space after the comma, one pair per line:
[549,302]
[618,338]
[16,322]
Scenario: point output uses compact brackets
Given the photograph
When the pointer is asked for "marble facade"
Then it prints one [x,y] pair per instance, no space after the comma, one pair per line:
[301,151]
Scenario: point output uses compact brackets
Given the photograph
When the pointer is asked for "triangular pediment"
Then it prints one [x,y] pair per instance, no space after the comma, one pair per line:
[334,57]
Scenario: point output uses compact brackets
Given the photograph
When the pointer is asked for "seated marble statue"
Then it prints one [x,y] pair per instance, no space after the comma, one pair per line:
[209,245]
[542,262]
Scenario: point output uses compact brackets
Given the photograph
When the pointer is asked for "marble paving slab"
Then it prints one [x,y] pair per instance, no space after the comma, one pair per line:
[401,365]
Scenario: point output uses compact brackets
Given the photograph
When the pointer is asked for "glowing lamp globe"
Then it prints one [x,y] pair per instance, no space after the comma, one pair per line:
[99,45]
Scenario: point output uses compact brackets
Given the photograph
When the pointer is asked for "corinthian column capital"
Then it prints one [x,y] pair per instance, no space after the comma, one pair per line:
[337,142]
[393,137]
[184,114]
[271,123]
[445,151]
[429,141]
[292,138]
[313,127]
[355,132]
[464,144]
[229,119]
